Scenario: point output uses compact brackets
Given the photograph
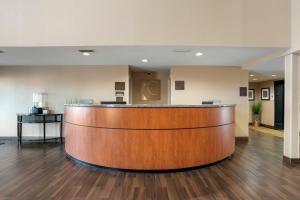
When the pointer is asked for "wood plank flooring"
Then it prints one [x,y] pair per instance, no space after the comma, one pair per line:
[38,171]
[265,130]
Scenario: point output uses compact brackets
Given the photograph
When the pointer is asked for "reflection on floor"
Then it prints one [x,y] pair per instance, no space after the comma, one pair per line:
[264,130]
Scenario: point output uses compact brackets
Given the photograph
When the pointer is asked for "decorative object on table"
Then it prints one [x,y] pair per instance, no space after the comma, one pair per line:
[251,94]
[86,101]
[36,110]
[40,100]
[75,101]
[72,101]
[265,94]
[46,111]
[243,91]
[40,103]
[256,111]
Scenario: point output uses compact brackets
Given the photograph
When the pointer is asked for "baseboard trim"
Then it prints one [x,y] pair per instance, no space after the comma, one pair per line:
[263,125]
[241,139]
[267,126]
[8,139]
[290,161]
[28,138]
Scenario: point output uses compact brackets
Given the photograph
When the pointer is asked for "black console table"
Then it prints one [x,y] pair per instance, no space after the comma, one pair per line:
[41,119]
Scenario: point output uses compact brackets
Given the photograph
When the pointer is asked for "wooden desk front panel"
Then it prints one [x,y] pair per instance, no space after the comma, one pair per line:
[149,138]
[149,118]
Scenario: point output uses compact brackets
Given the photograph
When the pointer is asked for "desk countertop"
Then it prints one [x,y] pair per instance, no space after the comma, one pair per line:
[150,105]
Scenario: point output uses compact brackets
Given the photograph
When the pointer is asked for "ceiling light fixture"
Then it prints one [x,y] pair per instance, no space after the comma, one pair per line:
[181,50]
[251,75]
[255,79]
[144,60]
[199,54]
[274,75]
[86,52]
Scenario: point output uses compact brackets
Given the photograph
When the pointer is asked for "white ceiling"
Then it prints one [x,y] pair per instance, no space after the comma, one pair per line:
[159,57]
[264,71]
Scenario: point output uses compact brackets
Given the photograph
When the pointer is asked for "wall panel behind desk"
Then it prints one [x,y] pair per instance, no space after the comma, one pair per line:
[206,83]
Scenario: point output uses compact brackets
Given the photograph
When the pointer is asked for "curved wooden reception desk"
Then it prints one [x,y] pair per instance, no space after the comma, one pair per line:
[149,137]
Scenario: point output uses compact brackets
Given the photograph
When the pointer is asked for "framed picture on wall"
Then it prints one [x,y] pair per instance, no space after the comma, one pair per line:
[251,94]
[265,94]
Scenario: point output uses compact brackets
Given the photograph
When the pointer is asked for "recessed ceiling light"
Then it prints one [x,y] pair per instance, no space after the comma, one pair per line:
[199,54]
[251,75]
[255,79]
[144,60]
[274,75]
[86,52]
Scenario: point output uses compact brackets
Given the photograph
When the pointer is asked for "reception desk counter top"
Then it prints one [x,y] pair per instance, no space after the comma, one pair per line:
[149,137]
[150,105]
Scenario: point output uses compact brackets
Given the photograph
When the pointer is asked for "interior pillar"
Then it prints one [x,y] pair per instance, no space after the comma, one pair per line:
[292,109]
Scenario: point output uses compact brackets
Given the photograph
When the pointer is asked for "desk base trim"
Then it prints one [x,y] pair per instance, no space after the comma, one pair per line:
[99,167]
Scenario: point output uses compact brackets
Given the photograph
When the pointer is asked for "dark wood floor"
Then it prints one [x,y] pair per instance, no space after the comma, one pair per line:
[38,171]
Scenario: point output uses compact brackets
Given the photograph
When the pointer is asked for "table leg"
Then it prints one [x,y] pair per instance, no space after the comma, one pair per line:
[44,128]
[61,130]
[18,130]
[21,124]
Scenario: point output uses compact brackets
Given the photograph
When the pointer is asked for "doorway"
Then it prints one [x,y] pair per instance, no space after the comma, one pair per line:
[279,105]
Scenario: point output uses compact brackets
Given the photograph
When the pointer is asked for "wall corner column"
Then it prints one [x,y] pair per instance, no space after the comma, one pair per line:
[291,152]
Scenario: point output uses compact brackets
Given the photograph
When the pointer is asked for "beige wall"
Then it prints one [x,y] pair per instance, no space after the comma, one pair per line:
[61,83]
[137,77]
[206,83]
[295,15]
[267,114]
[256,23]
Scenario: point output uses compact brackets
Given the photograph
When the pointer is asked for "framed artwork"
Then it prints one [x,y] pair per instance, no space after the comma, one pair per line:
[179,85]
[150,90]
[251,94]
[265,94]
[243,91]
[120,86]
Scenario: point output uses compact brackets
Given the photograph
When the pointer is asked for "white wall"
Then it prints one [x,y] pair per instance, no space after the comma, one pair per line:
[207,83]
[61,83]
[256,23]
